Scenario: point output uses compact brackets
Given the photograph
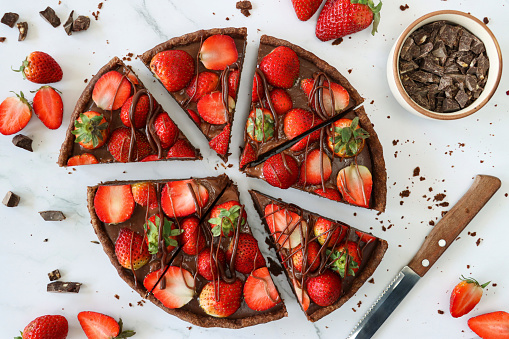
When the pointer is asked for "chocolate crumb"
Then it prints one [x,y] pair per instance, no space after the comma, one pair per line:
[468,266]
[11,199]
[85,81]
[95,242]
[359,303]
[244,7]
[52,215]
[96,15]
[384,229]
[431,223]
[444,204]
[117,296]
[371,281]
[372,102]
[494,284]
[444,213]
[404,8]
[54,275]
[45,240]
[507,92]
[486,20]
[440,312]
[22,141]
[353,309]
[100,5]
[472,234]
[505,195]
[350,71]
[63,287]
[395,142]
[23,30]
[439,197]
[227,19]
[417,171]
[68,25]
[2,38]
[141,302]
[130,305]
[82,23]
[189,328]
[337,41]
[404,194]
[50,16]
[478,242]
[10,19]
[422,178]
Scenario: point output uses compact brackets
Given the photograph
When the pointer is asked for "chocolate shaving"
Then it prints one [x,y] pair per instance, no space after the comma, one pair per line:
[23,30]
[11,199]
[50,16]
[52,215]
[54,275]
[68,26]
[82,23]
[22,141]
[10,19]
[63,287]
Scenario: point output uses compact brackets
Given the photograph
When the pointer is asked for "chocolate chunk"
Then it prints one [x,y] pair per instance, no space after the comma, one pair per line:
[450,92]
[477,46]
[439,50]
[464,59]
[52,215]
[23,30]
[465,42]
[69,24]
[449,34]
[471,82]
[63,287]
[424,50]
[337,41]
[22,141]
[461,97]
[407,66]
[420,36]
[82,23]
[10,19]
[431,65]
[424,77]
[2,38]
[450,105]
[482,66]
[421,99]
[11,199]
[405,49]
[451,69]
[50,16]
[445,82]
[55,275]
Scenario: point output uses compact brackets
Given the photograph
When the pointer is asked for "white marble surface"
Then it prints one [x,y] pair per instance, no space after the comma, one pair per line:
[449,155]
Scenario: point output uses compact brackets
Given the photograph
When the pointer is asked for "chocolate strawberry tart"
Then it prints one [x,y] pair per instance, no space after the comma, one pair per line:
[185,245]
[293,92]
[201,71]
[116,119]
[325,261]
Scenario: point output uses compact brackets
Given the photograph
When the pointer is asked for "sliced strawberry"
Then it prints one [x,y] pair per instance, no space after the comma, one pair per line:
[207,83]
[248,155]
[181,149]
[340,94]
[131,250]
[306,8]
[233,83]
[174,68]
[365,237]
[220,142]
[114,203]
[194,116]
[324,228]
[310,171]
[170,234]
[260,125]
[302,296]
[248,256]
[179,286]
[140,111]
[48,106]
[144,194]
[281,67]
[258,91]
[120,142]
[225,303]
[281,170]
[285,226]
[209,263]
[82,159]
[355,184]
[111,91]
[193,240]
[329,193]
[465,296]
[91,130]
[101,326]
[132,77]
[281,100]
[298,121]
[324,289]
[348,138]
[152,157]
[15,113]
[166,130]
[211,108]
[313,257]
[224,218]
[218,51]
[177,199]
[493,325]
[345,259]
[260,293]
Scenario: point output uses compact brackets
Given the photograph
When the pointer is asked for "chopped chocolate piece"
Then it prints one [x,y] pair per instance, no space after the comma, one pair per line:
[465,42]
[52,215]
[450,92]
[415,51]
[424,50]
[449,69]
[405,49]
[486,20]
[420,36]
[439,50]
[477,46]
[449,105]
[424,77]
[64,287]
[69,24]
[445,81]
[50,16]
[337,41]
[23,30]
[477,93]
[407,66]
[471,82]
[244,5]
[431,65]
[10,19]
[449,34]
[22,141]
[458,78]
[55,275]
[421,99]
[462,98]
[11,199]
[403,8]
[245,12]
[464,59]
[82,23]
[482,66]
[2,38]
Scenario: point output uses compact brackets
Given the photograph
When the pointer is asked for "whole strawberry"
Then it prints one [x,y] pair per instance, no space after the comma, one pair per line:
[281,67]
[41,68]
[248,256]
[324,289]
[343,17]
[131,250]
[225,302]
[281,170]
[46,327]
[174,68]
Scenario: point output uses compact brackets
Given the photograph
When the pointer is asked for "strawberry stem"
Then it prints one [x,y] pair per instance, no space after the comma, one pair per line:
[471,280]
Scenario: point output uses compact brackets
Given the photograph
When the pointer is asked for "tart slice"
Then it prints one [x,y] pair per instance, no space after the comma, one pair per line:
[325,261]
[116,119]
[201,71]
[185,245]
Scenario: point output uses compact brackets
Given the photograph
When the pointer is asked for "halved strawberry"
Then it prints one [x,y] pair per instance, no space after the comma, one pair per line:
[313,257]
[329,193]
[111,91]
[207,83]
[131,250]
[166,130]
[91,130]
[301,294]
[101,326]
[179,286]
[177,199]
[170,234]
[48,106]
[15,113]
[355,184]
[465,296]
[324,289]
[174,68]
[345,259]
[218,51]
[248,256]
[233,83]
[223,304]
[194,116]
[120,142]
[285,226]
[281,170]
[324,228]
[209,262]
[192,237]
[82,159]
[298,121]
[181,149]
[310,171]
[260,293]
[220,142]
[144,194]
[248,155]
[348,138]
[281,67]
[140,111]
[494,325]
[258,91]
[211,108]
[152,157]
[114,203]
[281,100]
[340,94]
[225,217]
[260,125]
[365,237]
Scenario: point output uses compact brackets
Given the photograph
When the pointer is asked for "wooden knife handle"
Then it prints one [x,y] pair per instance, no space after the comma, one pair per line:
[451,225]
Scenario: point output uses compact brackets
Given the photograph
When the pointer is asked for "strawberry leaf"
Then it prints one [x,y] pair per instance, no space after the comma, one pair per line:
[226,221]
[348,141]
[260,127]
[340,260]
[169,234]
[123,334]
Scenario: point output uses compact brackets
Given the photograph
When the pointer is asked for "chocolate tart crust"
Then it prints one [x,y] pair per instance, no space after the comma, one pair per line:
[196,319]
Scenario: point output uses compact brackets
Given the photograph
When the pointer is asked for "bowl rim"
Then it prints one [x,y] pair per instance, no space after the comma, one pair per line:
[474,107]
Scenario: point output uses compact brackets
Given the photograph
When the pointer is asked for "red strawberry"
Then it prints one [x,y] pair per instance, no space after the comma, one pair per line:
[82,159]
[15,113]
[248,155]
[301,294]
[341,96]
[260,293]
[177,199]
[325,288]
[130,249]
[233,83]
[343,17]
[111,91]
[174,68]
[281,170]
[345,259]
[152,157]
[46,327]
[144,194]
[465,296]
[313,257]
[260,125]
[192,236]
[211,108]
[220,142]
[281,101]
[298,121]
[194,116]
[48,106]
[207,83]
[181,149]
[170,234]
[91,130]
[132,77]
[348,138]
[494,325]
[310,172]
[305,8]
[323,228]
[258,91]
[140,112]
[248,256]
[329,193]
[179,286]
[227,215]
[285,226]
[40,68]
[166,130]
[281,67]
[101,326]
[218,51]
[120,142]
[355,184]
[114,203]
[364,237]
[224,304]
[207,261]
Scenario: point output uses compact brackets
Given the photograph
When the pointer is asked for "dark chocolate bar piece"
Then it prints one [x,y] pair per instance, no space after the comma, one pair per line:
[54,275]
[22,141]
[52,215]
[64,287]
[10,19]
[81,23]
[69,24]
[11,199]
[23,30]
[50,16]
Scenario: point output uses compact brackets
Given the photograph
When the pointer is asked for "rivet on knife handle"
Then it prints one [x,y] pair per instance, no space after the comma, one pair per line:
[451,225]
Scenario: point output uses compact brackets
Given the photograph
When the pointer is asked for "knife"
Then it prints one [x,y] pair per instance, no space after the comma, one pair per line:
[435,244]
